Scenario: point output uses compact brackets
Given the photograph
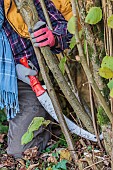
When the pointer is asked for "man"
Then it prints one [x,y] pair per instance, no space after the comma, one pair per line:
[16,31]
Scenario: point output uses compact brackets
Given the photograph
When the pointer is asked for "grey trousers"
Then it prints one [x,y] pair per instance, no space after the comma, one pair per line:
[29,108]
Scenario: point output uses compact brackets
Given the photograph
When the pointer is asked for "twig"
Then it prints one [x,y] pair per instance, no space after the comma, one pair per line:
[46,14]
[54,135]
[91,104]
[95,163]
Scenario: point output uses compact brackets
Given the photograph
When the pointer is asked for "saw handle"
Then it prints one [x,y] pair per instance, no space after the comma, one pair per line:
[34,82]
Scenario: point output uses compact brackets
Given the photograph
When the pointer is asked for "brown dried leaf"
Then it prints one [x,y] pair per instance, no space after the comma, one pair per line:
[8,161]
[30,153]
[1,166]
[52,159]
[23,168]
[77,57]
[21,161]
[2,138]
[65,154]
[89,4]
[33,166]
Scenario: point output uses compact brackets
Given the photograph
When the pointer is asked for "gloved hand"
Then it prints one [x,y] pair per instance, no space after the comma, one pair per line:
[41,35]
[23,73]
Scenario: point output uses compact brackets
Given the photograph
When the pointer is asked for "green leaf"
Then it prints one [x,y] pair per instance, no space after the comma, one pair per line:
[80,34]
[3,128]
[89,148]
[55,154]
[54,168]
[111,93]
[62,64]
[62,164]
[107,62]
[106,72]
[71,25]
[46,122]
[110,84]
[27,163]
[72,42]
[110,21]
[94,15]
[85,47]
[102,117]
[35,124]
[3,116]
[4,168]
[49,168]
[27,137]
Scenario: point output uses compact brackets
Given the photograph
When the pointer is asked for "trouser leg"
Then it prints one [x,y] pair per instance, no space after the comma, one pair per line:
[29,108]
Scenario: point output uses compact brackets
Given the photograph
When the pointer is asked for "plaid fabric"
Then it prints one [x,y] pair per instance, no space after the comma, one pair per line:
[8,78]
[23,47]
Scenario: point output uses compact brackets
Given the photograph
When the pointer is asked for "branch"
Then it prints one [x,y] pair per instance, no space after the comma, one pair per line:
[91,41]
[28,13]
[86,68]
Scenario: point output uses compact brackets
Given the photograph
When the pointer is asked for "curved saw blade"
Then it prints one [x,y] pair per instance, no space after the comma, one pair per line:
[48,106]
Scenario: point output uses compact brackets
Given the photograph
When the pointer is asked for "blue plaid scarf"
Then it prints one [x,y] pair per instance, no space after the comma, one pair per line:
[8,78]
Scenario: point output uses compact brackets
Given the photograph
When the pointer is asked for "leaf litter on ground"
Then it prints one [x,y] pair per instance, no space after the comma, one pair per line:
[55,157]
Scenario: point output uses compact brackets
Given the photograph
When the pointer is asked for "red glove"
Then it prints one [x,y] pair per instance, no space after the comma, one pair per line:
[42,36]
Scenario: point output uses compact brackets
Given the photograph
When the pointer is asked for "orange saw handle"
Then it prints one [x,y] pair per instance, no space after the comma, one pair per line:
[34,82]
